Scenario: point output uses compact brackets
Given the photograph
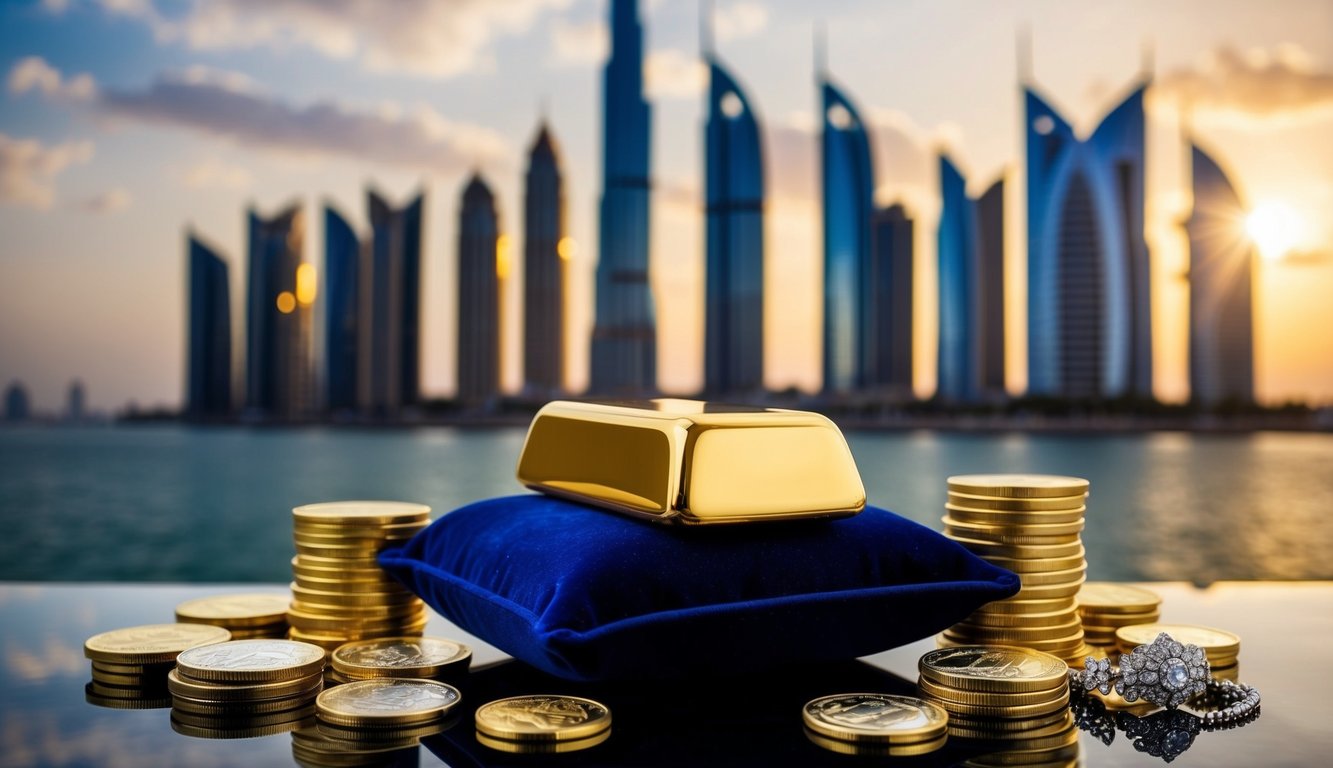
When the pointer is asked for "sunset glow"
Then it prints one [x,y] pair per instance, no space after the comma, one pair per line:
[1275,228]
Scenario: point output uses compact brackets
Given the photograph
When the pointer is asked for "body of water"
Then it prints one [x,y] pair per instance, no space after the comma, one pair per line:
[176,503]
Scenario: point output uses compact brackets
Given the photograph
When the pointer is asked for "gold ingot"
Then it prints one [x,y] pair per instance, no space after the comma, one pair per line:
[1057,504]
[542,718]
[933,691]
[692,462]
[234,611]
[1018,486]
[354,514]
[1103,597]
[983,618]
[1218,645]
[386,703]
[990,549]
[994,669]
[875,749]
[225,692]
[875,718]
[996,518]
[1039,533]
[251,661]
[151,643]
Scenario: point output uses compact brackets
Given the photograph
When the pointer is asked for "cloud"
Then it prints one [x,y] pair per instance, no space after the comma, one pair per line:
[111,201]
[1252,86]
[33,73]
[673,74]
[737,20]
[230,108]
[215,173]
[434,38]
[28,169]
[579,44]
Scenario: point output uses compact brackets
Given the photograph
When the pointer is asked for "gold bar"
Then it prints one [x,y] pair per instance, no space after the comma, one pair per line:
[692,462]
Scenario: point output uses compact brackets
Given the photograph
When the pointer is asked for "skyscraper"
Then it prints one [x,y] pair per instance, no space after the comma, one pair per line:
[895,242]
[208,377]
[734,253]
[848,181]
[479,285]
[389,361]
[278,317]
[971,285]
[17,406]
[76,402]
[624,340]
[1221,289]
[342,286]
[546,253]
[1089,307]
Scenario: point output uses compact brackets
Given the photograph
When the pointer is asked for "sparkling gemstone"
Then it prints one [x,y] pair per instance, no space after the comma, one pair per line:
[1174,673]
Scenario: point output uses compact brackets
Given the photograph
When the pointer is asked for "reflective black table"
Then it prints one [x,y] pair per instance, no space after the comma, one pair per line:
[46,718]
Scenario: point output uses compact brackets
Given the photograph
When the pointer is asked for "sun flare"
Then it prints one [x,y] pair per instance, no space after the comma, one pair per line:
[1275,229]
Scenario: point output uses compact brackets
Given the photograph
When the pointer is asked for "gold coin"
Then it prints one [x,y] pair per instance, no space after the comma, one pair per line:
[1014,605]
[1109,629]
[354,536]
[234,611]
[368,613]
[1049,591]
[251,661]
[133,669]
[1018,486]
[989,549]
[208,708]
[542,747]
[368,513]
[223,692]
[1107,597]
[993,669]
[318,623]
[338,553]
[1006,709]
[542,718]
[875,749]
[112,691]
[1047,732]
[339,570]
[358,737]
[130,702]
[1010,504]
[1036,533]
[300,712]
[400,657]
[983,618]
[875,717]
[1016,519]
[353,530]
[1023,566]
[358,564]
[380,586]
[1022,631]
[330,640]
[277,631]
[157,679]
[151,643]
[1048,578]
[932,691]
[386,702]
[1216,643]
[330,597]
[1054,646]
[235,732]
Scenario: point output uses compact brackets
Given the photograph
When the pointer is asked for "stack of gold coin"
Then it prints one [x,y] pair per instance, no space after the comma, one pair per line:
[875,724]
[1105,607]
[130,665]
[1221,648]
[245,687]
[999,693]
[1029,524]
[381,715]
[340,592]
[542,724]
[405,657]
[245,616]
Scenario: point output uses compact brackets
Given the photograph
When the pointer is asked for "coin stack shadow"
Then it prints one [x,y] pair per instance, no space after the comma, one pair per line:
[130,665]
[1029,524]
[375,722]
[1104,607]
[247,617]
[340,592]
[1027,717]
[226,700]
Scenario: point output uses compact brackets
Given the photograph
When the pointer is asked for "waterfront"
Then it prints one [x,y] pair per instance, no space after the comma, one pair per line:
[175,503]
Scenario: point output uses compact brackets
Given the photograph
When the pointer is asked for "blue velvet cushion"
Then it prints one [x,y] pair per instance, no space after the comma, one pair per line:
[586,594]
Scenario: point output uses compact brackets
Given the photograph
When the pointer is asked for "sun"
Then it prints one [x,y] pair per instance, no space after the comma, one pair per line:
[1275,229]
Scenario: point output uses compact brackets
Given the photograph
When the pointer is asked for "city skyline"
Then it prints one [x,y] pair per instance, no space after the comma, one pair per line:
[1260,166]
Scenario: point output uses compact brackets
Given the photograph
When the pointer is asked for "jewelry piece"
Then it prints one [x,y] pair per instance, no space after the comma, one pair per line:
[1167,673]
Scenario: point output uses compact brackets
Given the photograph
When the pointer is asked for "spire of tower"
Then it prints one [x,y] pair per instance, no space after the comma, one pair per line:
[821,51]
[706,29]
[1148,54]
[1023,51]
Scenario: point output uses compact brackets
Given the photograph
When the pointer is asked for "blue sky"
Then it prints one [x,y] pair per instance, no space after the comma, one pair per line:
[123,122]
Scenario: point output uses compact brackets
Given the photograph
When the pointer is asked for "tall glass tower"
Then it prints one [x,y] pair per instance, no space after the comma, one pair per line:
[278,318]
[734,258]
[1089,307]
[971,285]
[545,269]
[342,286]
[895,243]
[624,338]
[479,286]
[390,368]
[848,181]
[208,380]
[1221,276]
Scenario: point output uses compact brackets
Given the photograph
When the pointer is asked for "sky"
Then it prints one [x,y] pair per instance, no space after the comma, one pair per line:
[125,124]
